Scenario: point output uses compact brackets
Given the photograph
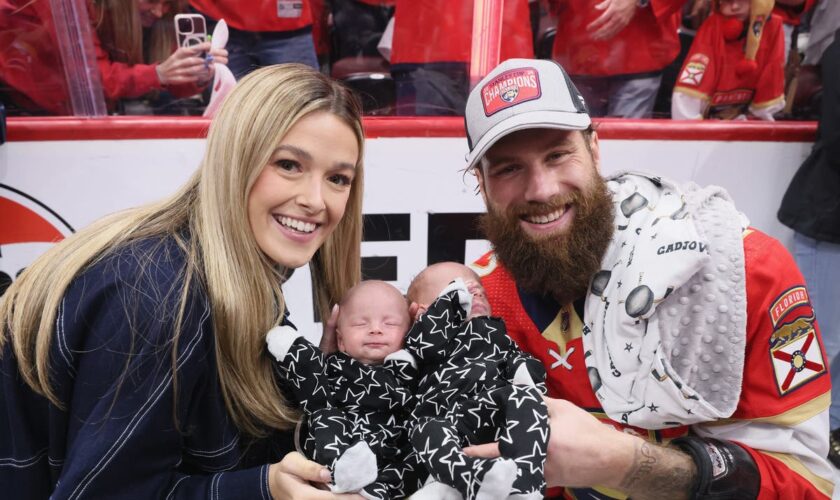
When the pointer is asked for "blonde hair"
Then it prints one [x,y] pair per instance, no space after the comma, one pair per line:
[242,284]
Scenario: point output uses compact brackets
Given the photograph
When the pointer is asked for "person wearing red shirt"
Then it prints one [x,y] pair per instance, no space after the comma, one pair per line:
[263,32]
[431,52]
[810,208]
[31,65]
[653,306]
[718,80]
[615,51]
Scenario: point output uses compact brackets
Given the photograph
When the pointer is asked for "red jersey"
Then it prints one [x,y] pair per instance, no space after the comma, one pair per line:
[258,15]
[647,44]
[441,31]
[777,398]
[709,71]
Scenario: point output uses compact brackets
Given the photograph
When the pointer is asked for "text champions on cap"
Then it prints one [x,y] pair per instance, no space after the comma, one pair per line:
[509,89]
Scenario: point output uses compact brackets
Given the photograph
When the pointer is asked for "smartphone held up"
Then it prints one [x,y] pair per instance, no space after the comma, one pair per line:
[191,29]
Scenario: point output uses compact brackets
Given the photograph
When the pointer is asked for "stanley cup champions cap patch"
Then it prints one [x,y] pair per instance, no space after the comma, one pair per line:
[519,94]
[509,89]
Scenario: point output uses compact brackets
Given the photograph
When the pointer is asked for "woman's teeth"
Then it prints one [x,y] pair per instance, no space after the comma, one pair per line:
[297,225]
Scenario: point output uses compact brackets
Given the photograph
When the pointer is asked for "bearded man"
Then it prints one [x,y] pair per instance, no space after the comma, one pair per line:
[654,307]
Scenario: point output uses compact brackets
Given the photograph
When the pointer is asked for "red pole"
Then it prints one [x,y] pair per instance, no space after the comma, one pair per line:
[486,37]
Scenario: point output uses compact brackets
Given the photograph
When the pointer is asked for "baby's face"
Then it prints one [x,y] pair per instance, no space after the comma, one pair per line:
[438,276]
[372,323]
[739,9]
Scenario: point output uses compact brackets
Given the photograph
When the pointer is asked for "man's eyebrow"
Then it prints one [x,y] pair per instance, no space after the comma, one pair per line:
[498,160]
[550,143]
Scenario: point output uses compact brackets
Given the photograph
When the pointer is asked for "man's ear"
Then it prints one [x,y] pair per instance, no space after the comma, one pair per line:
[594,146]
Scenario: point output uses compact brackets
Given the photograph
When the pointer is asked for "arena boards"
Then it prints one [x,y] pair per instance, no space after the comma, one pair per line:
[59,174]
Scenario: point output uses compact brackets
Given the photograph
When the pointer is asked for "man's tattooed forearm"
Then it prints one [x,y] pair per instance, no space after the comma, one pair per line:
[659,472]
[643,464]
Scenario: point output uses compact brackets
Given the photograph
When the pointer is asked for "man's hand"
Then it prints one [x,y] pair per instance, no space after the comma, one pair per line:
[584,452]
[615,17]
[601,452]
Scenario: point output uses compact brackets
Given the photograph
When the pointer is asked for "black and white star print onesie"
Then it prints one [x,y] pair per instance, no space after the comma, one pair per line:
[355,415]
[476,386]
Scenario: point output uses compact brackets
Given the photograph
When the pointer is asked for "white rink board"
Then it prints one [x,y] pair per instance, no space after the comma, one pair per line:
[84,180]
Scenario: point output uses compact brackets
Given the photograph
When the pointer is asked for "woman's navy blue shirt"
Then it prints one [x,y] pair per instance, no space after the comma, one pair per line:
[121,433]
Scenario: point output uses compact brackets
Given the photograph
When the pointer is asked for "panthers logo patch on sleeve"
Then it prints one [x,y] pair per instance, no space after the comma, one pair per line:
[795,350]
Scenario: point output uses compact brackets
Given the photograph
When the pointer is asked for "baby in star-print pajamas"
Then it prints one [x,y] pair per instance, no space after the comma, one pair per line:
[363,404]
[475,386]
[357,402]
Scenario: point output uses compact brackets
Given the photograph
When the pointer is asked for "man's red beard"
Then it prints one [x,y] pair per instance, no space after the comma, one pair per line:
[559,265]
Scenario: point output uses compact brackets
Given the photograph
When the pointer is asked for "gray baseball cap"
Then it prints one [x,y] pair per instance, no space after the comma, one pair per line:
[520,94]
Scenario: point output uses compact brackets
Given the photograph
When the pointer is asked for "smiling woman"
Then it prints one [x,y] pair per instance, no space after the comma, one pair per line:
[300,196]
[162,355]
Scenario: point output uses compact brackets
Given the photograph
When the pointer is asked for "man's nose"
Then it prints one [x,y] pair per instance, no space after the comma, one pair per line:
[539,186]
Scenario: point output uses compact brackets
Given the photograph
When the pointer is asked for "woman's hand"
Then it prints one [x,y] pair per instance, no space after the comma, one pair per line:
[219,55]
[290,479]
[186,66]
[329,342]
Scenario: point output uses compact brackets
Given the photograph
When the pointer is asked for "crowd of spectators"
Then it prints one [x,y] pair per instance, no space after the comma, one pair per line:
[689,59]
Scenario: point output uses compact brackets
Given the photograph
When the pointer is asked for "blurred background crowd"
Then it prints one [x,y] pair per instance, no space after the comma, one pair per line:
[724,59]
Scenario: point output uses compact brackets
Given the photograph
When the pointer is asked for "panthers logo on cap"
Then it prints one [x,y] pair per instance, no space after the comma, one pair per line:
[510,94]
[510,88]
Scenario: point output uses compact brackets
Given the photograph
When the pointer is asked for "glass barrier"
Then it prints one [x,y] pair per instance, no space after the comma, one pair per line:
[37,38]
[403,57]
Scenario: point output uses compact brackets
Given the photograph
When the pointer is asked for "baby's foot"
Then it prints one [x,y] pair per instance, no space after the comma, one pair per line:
[435,490]
[354,469]
[498,481]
